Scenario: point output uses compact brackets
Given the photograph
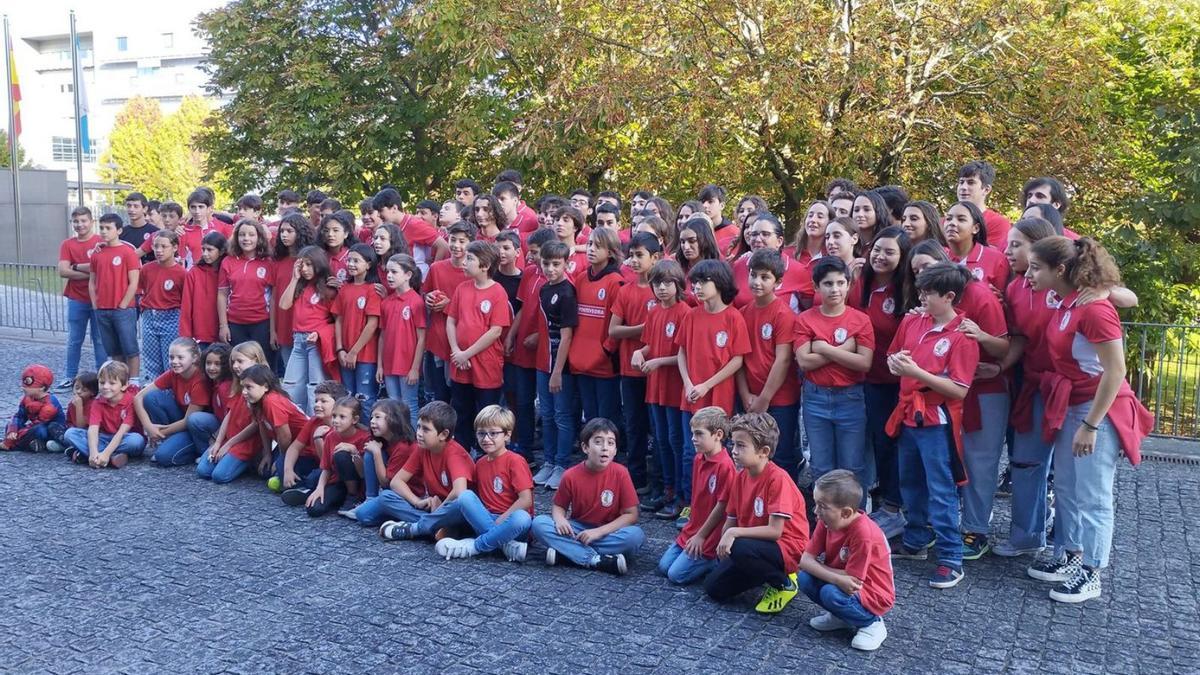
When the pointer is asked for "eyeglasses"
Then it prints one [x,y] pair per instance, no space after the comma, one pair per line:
[756,234]
[482,435]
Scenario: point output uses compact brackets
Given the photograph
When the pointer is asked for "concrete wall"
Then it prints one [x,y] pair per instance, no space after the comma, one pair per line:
[44,216]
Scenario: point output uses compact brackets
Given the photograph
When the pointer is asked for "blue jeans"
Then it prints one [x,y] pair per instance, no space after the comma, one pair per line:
[930,496]
[626,541]
[361,382]
[370,477]
[680,568]
[177,449]
[668,443]
[637,426]
[686,459]
[202,427]
[79,317]
[160,327]
[558,421]
[833,600]
[1030,464]
[118,332]
[836,421]
[981,454]
[881,400]
[390,505]
[787,417]
[436,379]
[307,468]
[304,371]
[226,470]
[132,444]
[1083,489]
[489,535]
[400,390]
[520,385]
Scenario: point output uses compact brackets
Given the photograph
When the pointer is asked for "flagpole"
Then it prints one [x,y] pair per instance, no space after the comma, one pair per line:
[12,140]
[77,74]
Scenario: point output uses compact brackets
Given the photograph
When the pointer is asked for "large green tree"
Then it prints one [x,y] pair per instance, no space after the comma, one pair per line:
[6,156]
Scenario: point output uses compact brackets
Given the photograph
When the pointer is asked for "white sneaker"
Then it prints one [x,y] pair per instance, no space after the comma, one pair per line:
[516,551]
[351,513]
[555,478]
[891,522]
[1005,549]
[445,548]
[55,446]
[551,557]
[869,638]
[543,474]
[827,622]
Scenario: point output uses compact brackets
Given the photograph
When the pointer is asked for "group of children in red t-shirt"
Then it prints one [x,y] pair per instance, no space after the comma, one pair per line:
[893,334]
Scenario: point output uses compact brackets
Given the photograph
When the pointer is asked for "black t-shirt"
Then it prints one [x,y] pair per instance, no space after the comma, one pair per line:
[510,283]
[560,309]
[136,236]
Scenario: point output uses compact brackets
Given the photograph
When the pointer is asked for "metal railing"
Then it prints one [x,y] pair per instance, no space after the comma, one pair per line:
[31,298]
[1163,359]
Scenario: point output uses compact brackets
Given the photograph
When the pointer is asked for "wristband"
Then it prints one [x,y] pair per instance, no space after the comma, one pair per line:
[341,351]
[1088,426]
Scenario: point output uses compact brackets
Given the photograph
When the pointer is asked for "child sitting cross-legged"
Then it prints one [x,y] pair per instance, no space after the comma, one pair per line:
[501,511]
[766,528]
[110,439]
[595,512]
[847,568]
[86,389]
[38,413]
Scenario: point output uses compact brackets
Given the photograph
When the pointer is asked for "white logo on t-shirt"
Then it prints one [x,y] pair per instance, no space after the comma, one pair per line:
[406,312]
[889,305]
[670,329]
[977,273]
[844,553]
[187,398]
[314,299]
[1066,319]
[722,338]
[485,306]
[168,284]
[341,275]
[767,331]
[712,484]
[497,485]
[601,293]
[650,304]
[362,302]
[571,267]
[606,498]
[1052,300]
[758,507]
[117,261]
[941,347]
[261,273]
[839,335]
[554,299]
[445,479]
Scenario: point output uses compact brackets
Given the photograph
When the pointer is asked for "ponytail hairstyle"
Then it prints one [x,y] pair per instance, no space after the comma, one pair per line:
[368,254]
[1035,228]
[800,243]
[354,405]
[898,276]
[218,241]
[1050,214]
[262,375]
[319,260]
[398,418]
[305,234]
[977,218]
[190,345]
[406,263]
[933,221]
[1084,261]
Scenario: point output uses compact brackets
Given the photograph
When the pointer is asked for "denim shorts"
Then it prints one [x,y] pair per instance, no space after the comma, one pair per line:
[118,331]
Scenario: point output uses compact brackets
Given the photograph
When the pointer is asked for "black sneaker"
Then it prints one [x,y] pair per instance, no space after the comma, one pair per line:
[946,576]
[974,546]
[1004,489]
[295,496]
[1085,585]
[37,445]
[396,530]
[644,490]
[669,510]
[613,564]
[903,552]
[1053,569]
[653,503]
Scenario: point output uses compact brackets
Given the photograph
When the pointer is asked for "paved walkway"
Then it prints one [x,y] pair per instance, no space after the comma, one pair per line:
[153,570]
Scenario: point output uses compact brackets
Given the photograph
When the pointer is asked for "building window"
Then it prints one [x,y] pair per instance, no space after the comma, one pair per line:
[168,40]
[66,88]
[147,72]
[63,150]
[122,44]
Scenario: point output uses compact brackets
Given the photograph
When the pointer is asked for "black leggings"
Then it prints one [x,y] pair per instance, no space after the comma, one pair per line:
[751,563]
[259,332]
[468,401]
[335,497]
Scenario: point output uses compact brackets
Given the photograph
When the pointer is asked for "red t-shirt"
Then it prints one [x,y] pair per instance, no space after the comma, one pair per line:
[943,351]
[577,264]
[311,311]
[710,341]
[1029,313]
[596,498]
[589,354]
[770,327]
[501,481]
[110,268]
[754,499]
[401,316]
[77,416]
[337,262]
[355,303]
[276,410]
[880,309]
[526,220]
[248,281]
[421,236]
[308,448]
[997,230]
[109,416]
[437,471]
[397,455]
[980,305]
[662,323]
[356,436]
[194,390]
[987,264]
[860,550]
[283,317]
[443,277]
[75,252]
[532,280]
[727,235]
[221,394]
[712,478]
[797,280]
[812,325]
[161,286]
[239,417]
[633,304]
[475,311]
[1071,338]
[198,306]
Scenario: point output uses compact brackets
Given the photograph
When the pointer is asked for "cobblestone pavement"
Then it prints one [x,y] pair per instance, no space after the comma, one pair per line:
[153,570]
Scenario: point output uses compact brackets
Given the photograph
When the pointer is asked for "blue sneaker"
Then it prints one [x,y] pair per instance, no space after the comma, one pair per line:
[945,576]
[685,516]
